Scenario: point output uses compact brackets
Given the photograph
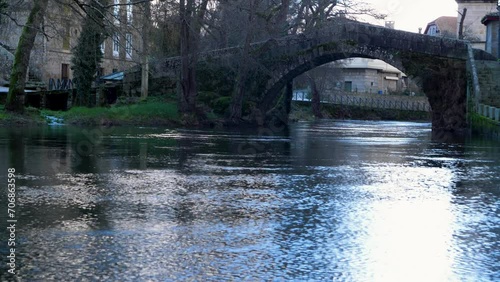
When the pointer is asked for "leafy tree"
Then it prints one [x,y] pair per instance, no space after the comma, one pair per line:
[87,54]
[15,97]
[3,6]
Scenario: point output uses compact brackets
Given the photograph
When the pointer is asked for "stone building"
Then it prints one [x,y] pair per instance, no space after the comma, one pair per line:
[371,76]
[356,75]
[51,55]
[474,30]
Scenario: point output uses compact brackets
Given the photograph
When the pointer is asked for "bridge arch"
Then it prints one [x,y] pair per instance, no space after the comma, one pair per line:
[274,89]
[439,63]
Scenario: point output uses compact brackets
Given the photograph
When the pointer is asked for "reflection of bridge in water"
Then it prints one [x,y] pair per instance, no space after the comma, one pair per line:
[370,101]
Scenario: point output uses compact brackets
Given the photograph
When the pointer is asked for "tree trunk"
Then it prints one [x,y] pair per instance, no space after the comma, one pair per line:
[190,32]
[239,92]
[15,97]
[461,25]
[316,99]
[145,50]
[186,67]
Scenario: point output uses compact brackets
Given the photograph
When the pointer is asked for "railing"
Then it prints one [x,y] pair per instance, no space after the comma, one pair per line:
[60,84]
[368,102]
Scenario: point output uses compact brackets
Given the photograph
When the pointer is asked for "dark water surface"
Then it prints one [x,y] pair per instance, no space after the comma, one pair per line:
[327,201]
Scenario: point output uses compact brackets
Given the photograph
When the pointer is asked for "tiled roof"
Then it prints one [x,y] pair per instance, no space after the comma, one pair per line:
[444,25]
[490,17]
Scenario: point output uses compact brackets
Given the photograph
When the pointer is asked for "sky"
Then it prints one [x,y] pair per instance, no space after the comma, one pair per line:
[409,15]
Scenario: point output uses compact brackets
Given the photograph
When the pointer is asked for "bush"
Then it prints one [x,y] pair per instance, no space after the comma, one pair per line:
[221,105]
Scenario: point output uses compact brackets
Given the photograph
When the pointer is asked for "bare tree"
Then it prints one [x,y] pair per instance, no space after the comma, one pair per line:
[237,98]
[463,14]
[146,29]
[191,19]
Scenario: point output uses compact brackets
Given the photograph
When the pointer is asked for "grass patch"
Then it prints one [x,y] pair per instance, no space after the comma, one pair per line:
[484,126]
[31,116]
[150,112]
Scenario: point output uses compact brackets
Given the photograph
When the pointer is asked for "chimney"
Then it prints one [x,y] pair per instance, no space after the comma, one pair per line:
[389,24]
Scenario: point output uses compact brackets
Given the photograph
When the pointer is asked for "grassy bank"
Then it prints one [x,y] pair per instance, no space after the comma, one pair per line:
[302,111]
[31,116]
[483,126]
[150,112]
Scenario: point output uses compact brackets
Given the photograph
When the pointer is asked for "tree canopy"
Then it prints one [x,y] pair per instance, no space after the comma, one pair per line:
[87,54]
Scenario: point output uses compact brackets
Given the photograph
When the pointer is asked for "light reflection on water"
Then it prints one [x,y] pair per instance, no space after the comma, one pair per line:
[342,201]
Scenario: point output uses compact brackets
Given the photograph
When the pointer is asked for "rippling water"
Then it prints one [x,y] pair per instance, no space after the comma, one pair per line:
[327,201]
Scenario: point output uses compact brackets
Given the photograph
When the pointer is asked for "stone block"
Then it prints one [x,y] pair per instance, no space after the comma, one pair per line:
[497,114]
[486,110]
[491,114]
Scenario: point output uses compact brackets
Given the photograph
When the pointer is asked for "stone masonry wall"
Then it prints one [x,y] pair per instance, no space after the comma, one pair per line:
[489,82]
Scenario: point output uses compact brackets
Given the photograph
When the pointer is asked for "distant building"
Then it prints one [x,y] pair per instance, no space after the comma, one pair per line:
[492,23]
[390,24]
[371,76]
[443,27]
[359,75]
[51,54]
[474,30]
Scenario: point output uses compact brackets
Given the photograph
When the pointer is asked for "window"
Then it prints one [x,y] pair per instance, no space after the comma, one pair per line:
[348,86]
[64,71]
[489,38]
[116,45]
[103,47]
[116,11]
[432,30]
[129,11]
[128,45]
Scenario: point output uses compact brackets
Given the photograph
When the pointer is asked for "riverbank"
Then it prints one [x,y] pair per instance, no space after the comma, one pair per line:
[483,126]
[150,112]
[301,111]
[156,111]
[30,117]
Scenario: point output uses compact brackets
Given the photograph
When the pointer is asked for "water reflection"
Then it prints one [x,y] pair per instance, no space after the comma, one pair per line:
[342,201]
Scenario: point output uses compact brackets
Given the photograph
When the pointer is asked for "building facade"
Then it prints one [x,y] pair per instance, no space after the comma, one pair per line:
[52,52]
[355,75]
[371,76]
[473,29]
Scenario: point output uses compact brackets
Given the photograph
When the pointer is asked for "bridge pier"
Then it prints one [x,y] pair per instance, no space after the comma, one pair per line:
[445,85]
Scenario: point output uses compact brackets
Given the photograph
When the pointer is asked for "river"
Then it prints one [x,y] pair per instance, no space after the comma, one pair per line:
[320,201]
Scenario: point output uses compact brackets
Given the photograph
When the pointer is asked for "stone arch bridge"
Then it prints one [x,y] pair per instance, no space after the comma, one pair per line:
[438,63]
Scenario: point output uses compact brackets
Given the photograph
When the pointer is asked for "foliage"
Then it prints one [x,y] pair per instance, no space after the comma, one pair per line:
[30,116]
[221,105]
[215,78]
[3,6]
[87,54]
[302,110]
[151,111]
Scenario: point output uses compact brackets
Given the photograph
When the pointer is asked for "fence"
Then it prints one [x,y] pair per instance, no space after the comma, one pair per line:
[375,102]
[60,84]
